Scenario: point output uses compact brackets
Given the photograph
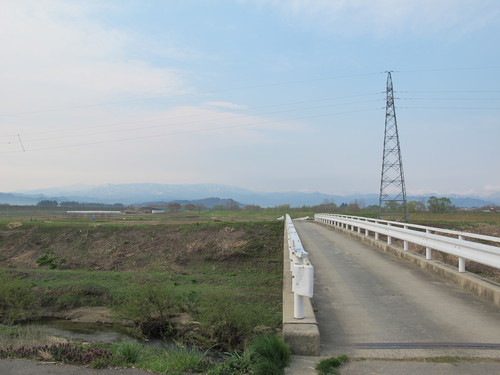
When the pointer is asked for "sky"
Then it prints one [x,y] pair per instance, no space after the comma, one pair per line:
[269,95]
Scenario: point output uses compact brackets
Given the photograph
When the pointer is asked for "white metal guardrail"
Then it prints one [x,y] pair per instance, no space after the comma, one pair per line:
[429,237]
[302,269]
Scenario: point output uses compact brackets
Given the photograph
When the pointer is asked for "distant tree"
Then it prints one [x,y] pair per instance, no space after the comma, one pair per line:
[47,203]
[174,206]
[343,207]
[392,206]
[439,205]
[70,204]
[252,207]
[190,206]
[232,205]
[326,206]
[201,207]
[282,208]
[353,207]
[416,206]
[219,207]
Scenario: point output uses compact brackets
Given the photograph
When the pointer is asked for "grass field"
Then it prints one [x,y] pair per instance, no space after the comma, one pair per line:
[223,278]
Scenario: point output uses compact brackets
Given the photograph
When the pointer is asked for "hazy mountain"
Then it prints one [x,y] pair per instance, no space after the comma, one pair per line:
[145,192]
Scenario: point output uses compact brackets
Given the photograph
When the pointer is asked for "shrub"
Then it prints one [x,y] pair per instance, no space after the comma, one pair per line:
[228,320]
[17,300]
[151,307]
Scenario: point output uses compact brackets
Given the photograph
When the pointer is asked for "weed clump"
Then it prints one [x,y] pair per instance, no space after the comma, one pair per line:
[330,366]
[64,352]
[265,355]
[129,350]
[50,261]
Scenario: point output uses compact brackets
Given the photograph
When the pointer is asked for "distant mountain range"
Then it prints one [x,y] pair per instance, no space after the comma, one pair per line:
[146,193]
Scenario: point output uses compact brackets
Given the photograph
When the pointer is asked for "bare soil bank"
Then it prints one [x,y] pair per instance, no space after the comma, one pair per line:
[112,247]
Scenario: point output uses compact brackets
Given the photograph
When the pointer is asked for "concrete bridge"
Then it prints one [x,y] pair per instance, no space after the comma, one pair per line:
[369,304]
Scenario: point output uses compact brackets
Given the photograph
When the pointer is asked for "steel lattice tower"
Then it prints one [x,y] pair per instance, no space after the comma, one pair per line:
[392,200]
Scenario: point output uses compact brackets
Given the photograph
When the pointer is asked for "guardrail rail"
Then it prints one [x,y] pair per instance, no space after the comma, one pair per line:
[302,270]
[448,241]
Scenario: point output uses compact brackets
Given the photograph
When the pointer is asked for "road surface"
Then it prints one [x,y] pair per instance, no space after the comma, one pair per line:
[369,304]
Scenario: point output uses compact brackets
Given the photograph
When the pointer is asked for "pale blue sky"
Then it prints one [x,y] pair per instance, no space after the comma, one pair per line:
[270,95]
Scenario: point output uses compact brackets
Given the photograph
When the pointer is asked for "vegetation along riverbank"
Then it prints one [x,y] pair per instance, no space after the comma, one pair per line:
[211,287]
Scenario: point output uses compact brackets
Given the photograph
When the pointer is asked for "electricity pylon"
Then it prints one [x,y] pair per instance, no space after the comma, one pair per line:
[392,201]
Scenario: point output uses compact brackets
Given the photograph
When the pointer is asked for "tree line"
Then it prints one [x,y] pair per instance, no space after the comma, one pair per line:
[358,206]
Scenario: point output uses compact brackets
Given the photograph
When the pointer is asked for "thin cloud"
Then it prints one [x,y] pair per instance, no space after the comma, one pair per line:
[386,17]
[53,53]
[228,105]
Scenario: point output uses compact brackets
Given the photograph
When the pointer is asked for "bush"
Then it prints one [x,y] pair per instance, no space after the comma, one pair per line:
[17,300]
[228,320]
[151,307]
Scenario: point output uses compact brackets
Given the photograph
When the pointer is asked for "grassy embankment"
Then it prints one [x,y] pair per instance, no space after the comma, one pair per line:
[208,285]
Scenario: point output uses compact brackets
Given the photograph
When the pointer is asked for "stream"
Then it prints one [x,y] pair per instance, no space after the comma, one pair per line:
[83,331]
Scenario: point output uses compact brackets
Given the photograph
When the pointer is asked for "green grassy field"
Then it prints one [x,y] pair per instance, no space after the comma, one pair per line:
[224,278]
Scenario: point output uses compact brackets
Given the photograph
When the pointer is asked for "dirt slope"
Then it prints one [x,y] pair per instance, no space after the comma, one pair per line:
[115,247]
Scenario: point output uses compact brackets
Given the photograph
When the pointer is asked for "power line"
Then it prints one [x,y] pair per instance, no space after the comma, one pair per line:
[181,132]
[200,93]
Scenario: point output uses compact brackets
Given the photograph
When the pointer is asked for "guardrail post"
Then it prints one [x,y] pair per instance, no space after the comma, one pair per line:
[461,264]
[428,250]
[461,261]
[405,243]
[389,238]
[302,270]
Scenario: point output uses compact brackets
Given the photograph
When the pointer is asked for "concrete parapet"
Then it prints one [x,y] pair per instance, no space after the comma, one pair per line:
[301,335]
[479,286]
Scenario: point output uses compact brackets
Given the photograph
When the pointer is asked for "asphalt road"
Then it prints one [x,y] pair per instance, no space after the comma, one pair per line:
[371,305]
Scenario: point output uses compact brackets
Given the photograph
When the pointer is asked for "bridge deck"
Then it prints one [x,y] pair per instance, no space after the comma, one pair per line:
[371,305]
